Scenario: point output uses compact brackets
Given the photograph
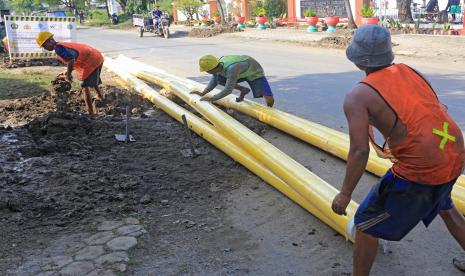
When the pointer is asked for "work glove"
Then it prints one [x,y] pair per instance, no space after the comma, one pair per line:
[197,92]
[206,99]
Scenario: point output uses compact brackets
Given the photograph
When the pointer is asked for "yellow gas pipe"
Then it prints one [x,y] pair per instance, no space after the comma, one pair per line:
[219,140]
[310,186]
[332,141]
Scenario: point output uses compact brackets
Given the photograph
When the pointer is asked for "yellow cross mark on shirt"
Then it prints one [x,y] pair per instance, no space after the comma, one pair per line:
[444,134]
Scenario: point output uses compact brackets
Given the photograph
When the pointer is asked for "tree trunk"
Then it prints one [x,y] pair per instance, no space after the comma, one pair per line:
[350,15]
[405,13]
[220,9]
[108,9]
[122,4]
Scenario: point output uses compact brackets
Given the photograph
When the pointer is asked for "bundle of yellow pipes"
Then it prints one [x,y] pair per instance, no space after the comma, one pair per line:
[327,139]
[275,167]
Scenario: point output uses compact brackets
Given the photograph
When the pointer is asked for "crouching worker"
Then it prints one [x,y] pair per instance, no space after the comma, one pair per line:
[81,58]
[231,70]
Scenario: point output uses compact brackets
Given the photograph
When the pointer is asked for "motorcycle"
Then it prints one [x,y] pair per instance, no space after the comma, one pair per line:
[114,19]
[161,25]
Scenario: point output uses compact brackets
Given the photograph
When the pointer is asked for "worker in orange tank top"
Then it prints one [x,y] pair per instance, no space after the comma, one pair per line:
[84,60]
[422,140]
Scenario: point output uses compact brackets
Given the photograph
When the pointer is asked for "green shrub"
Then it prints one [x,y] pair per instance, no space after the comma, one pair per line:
[368,11]
[309,13]
[259,11]
[446,26]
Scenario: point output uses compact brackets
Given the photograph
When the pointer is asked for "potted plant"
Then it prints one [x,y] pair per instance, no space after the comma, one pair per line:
[260,18]
[240,22]
[312,20]
[216,17]
[331,21]
[368,15]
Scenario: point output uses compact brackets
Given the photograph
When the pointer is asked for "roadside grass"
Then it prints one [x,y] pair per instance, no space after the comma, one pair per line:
[27,82]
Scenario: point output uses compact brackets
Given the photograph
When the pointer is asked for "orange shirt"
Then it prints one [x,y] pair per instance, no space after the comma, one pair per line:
[433,151]
[87,61]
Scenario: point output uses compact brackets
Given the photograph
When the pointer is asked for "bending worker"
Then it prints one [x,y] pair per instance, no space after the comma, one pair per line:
[84,60]
[421,138]
[231,70]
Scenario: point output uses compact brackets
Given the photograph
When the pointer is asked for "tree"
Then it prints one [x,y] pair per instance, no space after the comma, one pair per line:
[25,6]
[136,6]
[189,7]
[122,4]
[351,24]
[275,8]
[75,5]
[405,13]
[220,9]
[3,4]
[165,5]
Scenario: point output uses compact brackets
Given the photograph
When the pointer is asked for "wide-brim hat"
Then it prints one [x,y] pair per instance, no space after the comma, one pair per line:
[371,47]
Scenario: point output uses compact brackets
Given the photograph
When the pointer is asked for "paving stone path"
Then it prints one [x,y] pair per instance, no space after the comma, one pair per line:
[102,253]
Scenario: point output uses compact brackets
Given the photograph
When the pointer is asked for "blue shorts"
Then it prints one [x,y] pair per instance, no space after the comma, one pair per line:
[260,87]
[93,80]
[394,206]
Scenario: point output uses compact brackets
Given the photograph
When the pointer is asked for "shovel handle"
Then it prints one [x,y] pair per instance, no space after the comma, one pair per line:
[127,124]
[188,134]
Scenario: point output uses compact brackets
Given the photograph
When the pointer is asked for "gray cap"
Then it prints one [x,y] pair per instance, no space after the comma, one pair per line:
[371,47]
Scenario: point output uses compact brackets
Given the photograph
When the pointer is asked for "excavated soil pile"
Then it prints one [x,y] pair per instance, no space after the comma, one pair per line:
[340,39]
[22,111]
[6,63]
[211,31]
[59,84]
[60,89]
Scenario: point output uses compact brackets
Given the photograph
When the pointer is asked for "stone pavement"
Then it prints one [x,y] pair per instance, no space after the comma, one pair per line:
[104,252]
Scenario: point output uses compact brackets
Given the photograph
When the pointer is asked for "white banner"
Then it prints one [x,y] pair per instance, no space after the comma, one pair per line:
[22,31]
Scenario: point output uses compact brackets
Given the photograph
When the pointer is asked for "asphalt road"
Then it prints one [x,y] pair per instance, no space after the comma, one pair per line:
[308,82]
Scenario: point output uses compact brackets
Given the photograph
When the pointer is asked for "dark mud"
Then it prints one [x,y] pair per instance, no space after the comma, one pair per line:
[23,111]
[63,170]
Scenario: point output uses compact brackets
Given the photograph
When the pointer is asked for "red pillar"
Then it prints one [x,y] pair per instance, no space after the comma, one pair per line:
[358,7]
[175,14]
[244,11]
[213,7]
[291,11]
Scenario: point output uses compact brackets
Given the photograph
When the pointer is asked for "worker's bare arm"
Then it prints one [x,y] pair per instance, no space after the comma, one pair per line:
[69,70]
[356,111]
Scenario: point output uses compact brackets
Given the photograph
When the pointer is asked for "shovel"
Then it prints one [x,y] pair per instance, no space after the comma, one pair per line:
[125,137]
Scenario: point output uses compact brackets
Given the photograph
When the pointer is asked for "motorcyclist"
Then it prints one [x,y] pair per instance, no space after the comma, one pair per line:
[156,15]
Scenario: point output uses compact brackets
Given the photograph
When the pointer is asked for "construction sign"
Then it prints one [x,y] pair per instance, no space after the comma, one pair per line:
[22,31]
